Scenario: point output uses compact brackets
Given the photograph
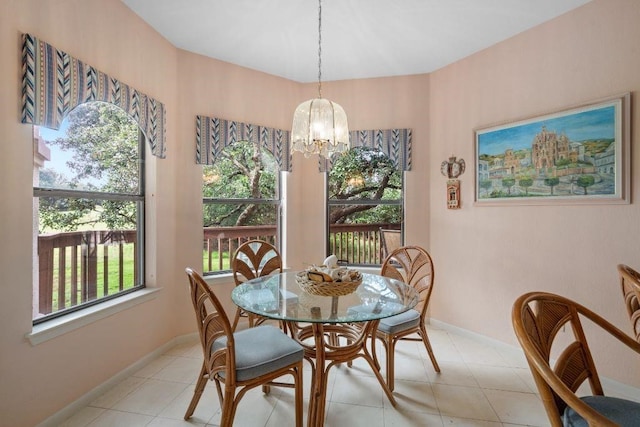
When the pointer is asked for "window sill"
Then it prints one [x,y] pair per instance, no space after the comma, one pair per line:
[213,279]
[56,327]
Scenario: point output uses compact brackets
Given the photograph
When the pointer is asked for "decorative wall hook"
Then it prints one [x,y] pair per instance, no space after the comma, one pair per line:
[452,169]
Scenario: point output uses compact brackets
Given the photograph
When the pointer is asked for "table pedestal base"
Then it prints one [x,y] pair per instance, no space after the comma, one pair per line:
[333,343]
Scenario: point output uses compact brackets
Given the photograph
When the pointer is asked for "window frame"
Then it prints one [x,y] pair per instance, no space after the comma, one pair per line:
[139,198]
[277,201]
[334,202]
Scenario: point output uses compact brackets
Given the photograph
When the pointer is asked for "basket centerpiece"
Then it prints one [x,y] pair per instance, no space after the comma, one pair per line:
[329,279]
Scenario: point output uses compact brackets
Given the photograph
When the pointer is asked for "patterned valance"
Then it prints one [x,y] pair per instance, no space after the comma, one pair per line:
[395,143]
[213,135]
[54,83]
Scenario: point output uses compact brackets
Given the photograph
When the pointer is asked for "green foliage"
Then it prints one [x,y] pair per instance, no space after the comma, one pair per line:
[242,171]
[552,182]
[65,214]
[363,173]
[485,184]
[508,182]
[585,181]
[104,140]
[525,183]
[563,162]
[105,146]
[597,145]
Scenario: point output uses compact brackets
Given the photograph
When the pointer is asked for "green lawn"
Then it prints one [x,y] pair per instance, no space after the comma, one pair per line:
[113,272]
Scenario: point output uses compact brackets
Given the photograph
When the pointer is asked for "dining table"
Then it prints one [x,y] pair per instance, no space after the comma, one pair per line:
[332,329]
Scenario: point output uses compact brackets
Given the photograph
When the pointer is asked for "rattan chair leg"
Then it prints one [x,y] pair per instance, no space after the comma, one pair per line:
[228,407]
[385,387]
[298,395]
[374,353]
[236,319]
[427,345]
[219,390]
[390,346]
[197,392]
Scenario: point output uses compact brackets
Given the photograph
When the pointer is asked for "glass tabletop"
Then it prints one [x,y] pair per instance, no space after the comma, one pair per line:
[280,297]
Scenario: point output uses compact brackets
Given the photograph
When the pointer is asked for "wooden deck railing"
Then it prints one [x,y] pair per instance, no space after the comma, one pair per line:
[220,243]
[68,266]
[76,267]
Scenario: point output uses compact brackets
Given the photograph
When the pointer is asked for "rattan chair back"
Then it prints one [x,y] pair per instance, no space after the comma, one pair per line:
[538,319]
[412,265]
[390,240]
[630,285]
[254,258]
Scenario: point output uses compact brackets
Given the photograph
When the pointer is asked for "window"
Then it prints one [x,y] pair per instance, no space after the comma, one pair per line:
[365,194]
[241,201]
[88,210]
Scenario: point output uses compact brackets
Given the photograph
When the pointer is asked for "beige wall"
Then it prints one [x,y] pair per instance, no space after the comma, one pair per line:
[37,381]
[487,256]
[484,256]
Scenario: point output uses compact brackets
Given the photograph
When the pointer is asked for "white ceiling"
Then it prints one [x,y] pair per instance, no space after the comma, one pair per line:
[360,38]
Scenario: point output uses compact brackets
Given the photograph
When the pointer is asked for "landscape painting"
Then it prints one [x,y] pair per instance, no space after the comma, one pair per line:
[580,155]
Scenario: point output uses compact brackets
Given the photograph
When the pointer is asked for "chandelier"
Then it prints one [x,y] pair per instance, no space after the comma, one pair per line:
[319,125]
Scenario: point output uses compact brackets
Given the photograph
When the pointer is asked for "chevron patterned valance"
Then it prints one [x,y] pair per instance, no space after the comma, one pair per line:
[54,83]
[213,135]
[395,143]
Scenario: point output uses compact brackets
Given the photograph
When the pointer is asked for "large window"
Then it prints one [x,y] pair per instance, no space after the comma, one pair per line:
[365,194]
[241,201]
[88,210]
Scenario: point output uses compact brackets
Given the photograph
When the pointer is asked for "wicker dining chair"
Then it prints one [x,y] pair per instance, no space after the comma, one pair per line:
[538,318]
[630,285]
[412,265]
[241,360]
[390,240]
[254,258]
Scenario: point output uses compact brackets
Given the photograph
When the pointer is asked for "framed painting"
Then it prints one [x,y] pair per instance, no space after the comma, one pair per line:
[578,155]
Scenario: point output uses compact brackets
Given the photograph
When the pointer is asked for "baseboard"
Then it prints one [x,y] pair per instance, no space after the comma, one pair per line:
[69,410]
[611,387]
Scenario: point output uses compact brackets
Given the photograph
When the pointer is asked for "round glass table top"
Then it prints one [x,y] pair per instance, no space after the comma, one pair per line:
[280,297]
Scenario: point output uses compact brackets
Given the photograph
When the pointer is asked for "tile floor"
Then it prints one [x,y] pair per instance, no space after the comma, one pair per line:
[480,385]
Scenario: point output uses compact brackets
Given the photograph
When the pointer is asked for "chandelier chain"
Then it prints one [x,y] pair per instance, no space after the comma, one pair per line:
[319,48]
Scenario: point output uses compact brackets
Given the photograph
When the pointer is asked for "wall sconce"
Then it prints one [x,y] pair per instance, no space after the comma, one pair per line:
[452,169]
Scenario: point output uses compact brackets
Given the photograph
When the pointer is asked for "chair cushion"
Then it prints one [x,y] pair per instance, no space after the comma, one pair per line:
[261,350]
[623,412]
[399,322]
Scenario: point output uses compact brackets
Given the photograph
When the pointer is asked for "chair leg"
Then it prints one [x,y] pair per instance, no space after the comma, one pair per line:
[298,394]
[236,319]
[374,354]
[390,346]
[228,407]
[197,392]
[427,345]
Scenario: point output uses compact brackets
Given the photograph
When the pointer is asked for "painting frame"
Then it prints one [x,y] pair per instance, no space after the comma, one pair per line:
[577,155]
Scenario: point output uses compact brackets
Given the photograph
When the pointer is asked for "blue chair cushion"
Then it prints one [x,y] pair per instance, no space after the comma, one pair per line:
[625,413]
[261,350]
[399,322]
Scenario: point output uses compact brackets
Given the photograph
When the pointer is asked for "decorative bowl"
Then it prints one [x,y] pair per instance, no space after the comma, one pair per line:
[328,289]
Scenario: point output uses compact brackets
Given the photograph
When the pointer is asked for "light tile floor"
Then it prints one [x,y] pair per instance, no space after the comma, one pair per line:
[479,385]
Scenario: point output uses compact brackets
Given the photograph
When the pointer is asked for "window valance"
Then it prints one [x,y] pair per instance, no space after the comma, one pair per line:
[54,83]
[395,143]
[214,134]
